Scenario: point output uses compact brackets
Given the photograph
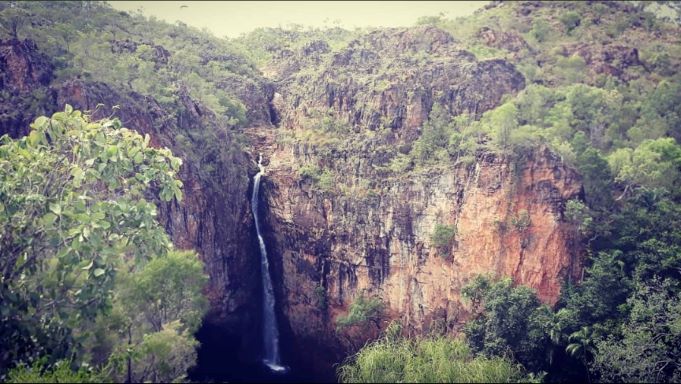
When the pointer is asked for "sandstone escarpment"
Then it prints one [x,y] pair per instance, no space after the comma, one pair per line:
[369,231]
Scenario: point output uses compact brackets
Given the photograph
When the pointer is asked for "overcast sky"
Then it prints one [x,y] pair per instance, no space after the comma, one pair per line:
[232,18]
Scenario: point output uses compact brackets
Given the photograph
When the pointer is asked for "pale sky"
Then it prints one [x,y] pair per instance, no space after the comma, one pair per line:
[232,18]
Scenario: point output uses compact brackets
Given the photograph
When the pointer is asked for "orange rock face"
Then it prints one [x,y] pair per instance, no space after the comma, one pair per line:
[508,218]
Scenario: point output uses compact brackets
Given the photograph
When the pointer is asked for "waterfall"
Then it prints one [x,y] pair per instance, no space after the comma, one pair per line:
[270,334]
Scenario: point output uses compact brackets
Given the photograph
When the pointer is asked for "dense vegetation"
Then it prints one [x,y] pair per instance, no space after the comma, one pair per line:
[90,279]
[393,359]
[92,289]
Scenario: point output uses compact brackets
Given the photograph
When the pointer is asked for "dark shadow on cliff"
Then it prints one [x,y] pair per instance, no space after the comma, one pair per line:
[310,360]
[233,353]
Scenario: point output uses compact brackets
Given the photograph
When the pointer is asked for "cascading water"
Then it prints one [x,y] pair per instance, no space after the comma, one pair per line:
[271,356]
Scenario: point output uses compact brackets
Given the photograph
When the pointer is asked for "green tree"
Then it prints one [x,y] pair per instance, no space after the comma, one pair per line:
[646,350]
[442,238]
[570,20]
[540,30]
[581,343]
[597,179]
[504,120]
[167,289]
[148,334]
[508,320]
[434,135]
[653,164]
[12,19]
[164,356]
[362,311]
[60,372]
[72,212]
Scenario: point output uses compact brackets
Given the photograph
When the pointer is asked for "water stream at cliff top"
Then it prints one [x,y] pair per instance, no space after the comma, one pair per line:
[270,335]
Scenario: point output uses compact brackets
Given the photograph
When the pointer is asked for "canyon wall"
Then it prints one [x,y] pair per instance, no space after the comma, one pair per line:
[369,233]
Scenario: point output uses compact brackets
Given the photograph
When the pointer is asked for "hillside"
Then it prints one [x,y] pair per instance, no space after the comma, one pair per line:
[413,168]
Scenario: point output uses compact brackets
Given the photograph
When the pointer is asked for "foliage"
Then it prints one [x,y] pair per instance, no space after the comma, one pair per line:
[597,179]
[577,213]
[363,310]
[13,20]
[322,179]
[540,30]
[164,356]
[647,349]
[508,321]
[436,360]
[654,164]
[434,135]
[60,372]
[155,311]
[88,272]
[442,238]
[72,212]
[321,297]
[570,20]
[167,289]
[521,221]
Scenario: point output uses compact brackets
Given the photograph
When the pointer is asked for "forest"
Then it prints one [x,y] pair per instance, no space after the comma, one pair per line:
[490,198]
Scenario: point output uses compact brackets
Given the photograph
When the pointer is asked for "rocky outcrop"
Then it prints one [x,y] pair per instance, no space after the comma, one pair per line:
[609,59]
[509,41]
[25,75]
[372,83]
[160,55]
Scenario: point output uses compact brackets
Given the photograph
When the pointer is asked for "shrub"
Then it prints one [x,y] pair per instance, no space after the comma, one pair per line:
[430,360]
[572,69]
[522,221]
[442,239]
[570,20]
[577,213]
[326,181]
[540,30]
[362,311]
[61,372]
[309,171]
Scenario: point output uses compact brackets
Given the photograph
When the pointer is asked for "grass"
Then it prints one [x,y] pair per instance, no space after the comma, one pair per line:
[429,360]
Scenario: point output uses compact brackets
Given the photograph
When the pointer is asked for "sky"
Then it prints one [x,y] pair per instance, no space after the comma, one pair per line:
[232,18]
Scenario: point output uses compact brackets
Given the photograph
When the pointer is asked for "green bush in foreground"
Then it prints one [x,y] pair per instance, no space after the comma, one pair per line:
[431,360]
[60,373]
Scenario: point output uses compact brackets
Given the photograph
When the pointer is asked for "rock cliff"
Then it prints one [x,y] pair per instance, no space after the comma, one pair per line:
[370,232]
